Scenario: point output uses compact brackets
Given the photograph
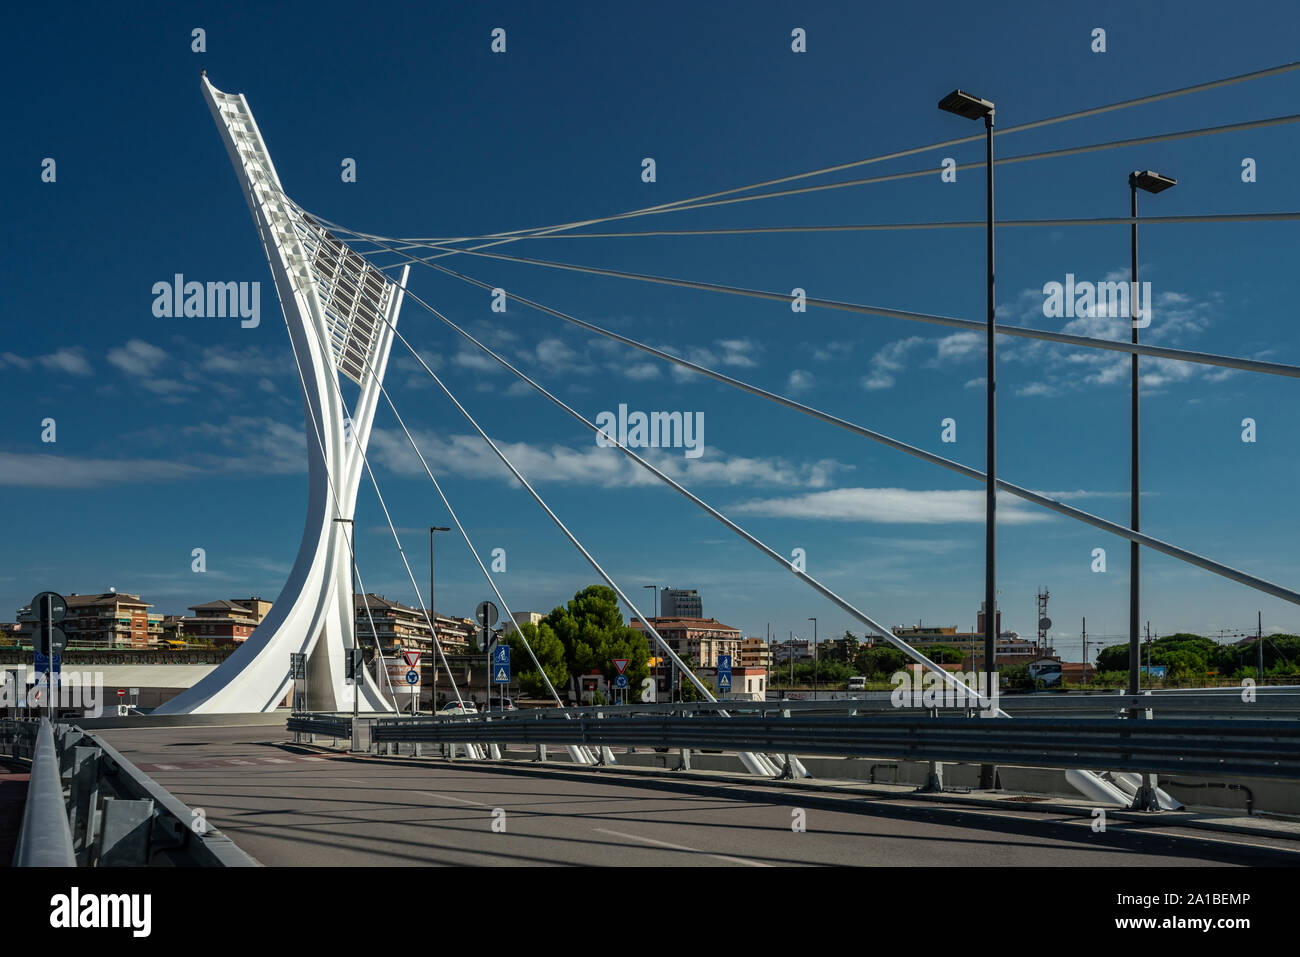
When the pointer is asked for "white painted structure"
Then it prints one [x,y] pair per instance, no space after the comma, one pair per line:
[340,313]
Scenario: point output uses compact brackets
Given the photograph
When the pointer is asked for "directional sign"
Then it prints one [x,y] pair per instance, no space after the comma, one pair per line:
[412,657]
[42,666]
[620,664]
[620,681]
[486,614]
[412,677]
[54,611]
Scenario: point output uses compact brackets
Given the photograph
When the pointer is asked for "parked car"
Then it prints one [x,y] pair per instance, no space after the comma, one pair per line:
[455,707]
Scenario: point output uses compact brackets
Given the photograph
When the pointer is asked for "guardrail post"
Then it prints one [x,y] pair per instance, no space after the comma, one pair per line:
[83,801]
[787,768]
[125,838]
[541,752]
[1146,798]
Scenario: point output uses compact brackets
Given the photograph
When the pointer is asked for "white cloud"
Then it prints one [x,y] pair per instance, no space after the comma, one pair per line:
[42,470]
[137,357]
[468,456]
[67,361]
[892,505]
[800,381]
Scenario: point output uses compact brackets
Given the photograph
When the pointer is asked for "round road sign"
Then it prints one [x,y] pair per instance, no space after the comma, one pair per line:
[58,606]
[486,614]
[413,677]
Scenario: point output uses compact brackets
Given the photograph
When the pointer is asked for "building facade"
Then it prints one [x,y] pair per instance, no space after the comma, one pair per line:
[223,622]
[700,638]
[107,620]
[680,603]
[403,628]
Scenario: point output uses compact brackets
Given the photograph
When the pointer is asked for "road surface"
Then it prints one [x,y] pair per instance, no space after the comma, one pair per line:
[286,806]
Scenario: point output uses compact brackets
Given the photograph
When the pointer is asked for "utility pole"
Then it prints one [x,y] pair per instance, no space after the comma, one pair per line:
[433,622]
[1085,651]
[1259,645]
[816,662]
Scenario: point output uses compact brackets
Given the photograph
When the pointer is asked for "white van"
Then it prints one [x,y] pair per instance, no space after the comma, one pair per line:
[857,683]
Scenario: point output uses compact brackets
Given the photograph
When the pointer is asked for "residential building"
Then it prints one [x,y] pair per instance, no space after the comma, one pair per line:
[111,619]
[224,621]
[680,603]
[755,653]
[798,649]
[700,638]
[400,627]
[521,618]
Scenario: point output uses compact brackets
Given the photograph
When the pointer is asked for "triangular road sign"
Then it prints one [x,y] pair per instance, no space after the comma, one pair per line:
[412,658]
[502,677]
[620,664]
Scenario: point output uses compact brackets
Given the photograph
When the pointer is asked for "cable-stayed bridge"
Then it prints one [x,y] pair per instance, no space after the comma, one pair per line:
[342,292]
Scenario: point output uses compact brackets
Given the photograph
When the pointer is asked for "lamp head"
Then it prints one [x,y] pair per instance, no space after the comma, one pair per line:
[966,104]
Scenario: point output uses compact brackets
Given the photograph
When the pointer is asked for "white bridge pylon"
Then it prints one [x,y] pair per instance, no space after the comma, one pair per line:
[340,313]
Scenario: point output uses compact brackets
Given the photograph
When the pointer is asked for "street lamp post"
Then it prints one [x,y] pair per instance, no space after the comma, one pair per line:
[433,618]
[816,662]
[352,613]
[974,108]
[1151,182]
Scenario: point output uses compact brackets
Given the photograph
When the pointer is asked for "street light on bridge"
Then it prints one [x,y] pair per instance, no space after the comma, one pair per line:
[974,108]
[1151,182]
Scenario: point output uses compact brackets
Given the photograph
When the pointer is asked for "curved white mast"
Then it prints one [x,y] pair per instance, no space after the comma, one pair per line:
[329,296]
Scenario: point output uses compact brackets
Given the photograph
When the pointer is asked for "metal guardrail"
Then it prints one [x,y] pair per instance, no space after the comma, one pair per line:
[87,805]
[1236,747]
[332,725]
[45,839]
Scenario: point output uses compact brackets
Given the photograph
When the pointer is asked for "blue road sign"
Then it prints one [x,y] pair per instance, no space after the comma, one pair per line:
[724,680]
[502,655]
[724,662]
[42,666]
[620,681]
[501,674]
[412,677]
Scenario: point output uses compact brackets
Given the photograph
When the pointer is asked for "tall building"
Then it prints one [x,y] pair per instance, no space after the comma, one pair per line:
[680,603]
[108,620]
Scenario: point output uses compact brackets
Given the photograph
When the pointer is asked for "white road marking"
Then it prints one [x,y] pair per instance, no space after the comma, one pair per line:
[238,761]
[166,767]
[680,847]
[276,761]
[448,797]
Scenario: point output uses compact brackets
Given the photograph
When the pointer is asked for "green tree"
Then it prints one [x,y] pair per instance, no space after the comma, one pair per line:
[688,690]
[591,631]
[880,661]
[549,651]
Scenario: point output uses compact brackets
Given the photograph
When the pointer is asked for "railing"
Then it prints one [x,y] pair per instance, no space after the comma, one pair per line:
[334,726]
[1236,747]
[112,814]
[45,839]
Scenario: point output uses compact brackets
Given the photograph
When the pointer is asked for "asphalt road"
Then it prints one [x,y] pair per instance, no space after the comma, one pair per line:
[287,807]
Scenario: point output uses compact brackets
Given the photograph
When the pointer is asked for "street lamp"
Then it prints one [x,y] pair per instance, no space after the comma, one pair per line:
[973,108]
[1151,182]
[433,617]
[655,590]
[816,661]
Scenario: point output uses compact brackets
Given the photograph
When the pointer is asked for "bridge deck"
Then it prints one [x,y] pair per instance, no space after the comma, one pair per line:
[285,806]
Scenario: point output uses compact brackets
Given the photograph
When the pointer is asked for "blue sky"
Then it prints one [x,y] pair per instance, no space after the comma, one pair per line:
[181,433]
